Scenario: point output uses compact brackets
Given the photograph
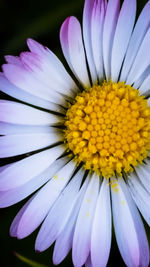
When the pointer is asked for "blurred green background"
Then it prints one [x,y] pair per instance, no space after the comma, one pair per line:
[40,20]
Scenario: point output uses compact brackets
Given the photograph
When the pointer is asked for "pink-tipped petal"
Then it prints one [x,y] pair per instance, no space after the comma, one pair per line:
[122,36]
[36,47]
[52,62]
[13,60]
[47,73]
[110,22]
[72,46]
[25,80]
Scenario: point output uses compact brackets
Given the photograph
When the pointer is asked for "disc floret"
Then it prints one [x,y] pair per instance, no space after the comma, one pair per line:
[108,128]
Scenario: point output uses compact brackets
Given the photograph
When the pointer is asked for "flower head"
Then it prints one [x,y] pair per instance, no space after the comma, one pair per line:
[84,141]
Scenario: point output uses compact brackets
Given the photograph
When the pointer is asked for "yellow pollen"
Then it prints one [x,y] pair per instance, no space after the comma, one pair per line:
[108,128]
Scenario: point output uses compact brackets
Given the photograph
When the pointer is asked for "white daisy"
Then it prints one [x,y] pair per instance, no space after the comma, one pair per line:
[84,141]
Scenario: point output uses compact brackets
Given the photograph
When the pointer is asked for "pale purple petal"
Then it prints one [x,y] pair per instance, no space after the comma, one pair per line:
[18,144]
[56,219]
[10,197]
[110,22]
[43,201]
[101,229]
[82,235]
[88,262]
[64,241]
[24,170]
[72,46]
[16,220]
[129,229]
[139,32]
[122,36]
[87,15]
[12,112]
[142,60]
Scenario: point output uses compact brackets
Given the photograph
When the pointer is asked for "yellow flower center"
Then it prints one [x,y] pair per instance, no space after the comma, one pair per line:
[108,128]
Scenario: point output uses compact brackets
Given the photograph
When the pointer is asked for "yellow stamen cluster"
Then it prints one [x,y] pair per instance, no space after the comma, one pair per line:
[108,128]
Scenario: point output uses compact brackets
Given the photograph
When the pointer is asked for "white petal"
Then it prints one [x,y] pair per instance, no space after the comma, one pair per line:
[56,219]
[10,197]
[143,172]
[101,229]
[141,79]
[9,89]
[64,241]
[17,113]
[140,196]
[97,22]
[43,201]
[145,87]
[110,22]
[10,129]
[87,14]
[72,46]
[122,36]
[141,61]
[129,229]
[139,32]
[13,145]
[82,235]
[24,170]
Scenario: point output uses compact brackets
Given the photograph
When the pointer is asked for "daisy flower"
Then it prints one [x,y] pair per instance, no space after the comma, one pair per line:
[81,141]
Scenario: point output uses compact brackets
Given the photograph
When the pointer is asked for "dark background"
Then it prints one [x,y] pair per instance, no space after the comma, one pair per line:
[40,20]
